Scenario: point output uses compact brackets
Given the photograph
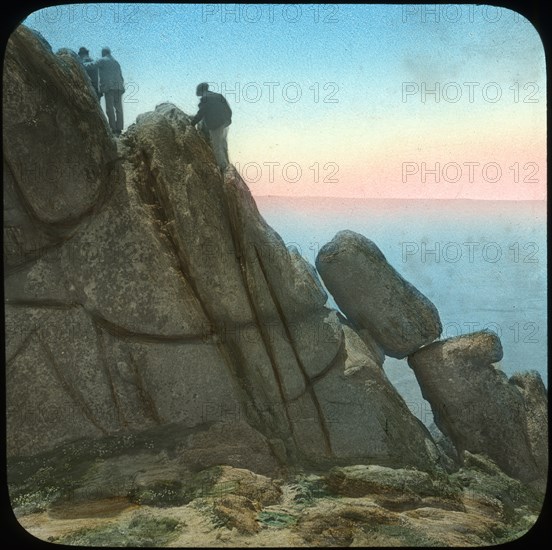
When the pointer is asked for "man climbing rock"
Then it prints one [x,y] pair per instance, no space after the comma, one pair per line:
[215,117]
[112,86]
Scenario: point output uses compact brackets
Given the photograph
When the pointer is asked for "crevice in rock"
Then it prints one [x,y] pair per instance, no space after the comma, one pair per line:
[24,345]
[115,329]
[313,379]
[153,194]
[40,225]
[129,335]
[149,196]
[234,223]
[71,390]
[232,357]
[165,218]
[104,360]
[145,396]
[52,304]
[322,421]
[63,231]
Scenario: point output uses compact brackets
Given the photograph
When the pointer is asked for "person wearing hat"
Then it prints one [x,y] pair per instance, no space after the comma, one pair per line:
[215,116]
[112,86]
[90,68]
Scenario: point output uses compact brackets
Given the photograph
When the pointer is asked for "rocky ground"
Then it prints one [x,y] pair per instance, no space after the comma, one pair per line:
[129,495]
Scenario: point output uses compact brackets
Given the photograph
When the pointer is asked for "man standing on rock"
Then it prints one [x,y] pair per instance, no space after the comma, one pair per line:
[215,116]
[90,68]
[112,86]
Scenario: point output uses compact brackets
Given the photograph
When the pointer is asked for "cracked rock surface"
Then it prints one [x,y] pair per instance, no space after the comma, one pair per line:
[144,291]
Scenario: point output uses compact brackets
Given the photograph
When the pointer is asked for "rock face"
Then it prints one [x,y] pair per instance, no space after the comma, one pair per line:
[380,304]
[535,397]
[53,181]
[479,409]
[357,481]
[156,295]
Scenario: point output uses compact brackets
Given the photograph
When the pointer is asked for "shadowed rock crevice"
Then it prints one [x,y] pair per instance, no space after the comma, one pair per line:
[309,389]
[336,362]
[62,231]
[19,350]
[114,329]
[128,335]
[70,389]
[145,397]
[233,215]
[53,304]
[106,363]
[154,193]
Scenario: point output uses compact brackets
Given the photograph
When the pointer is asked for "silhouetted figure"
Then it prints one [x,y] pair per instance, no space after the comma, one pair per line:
[112,86]
[215,116]
[90,68]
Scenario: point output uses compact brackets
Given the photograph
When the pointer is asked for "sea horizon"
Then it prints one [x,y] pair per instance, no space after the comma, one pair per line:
[481,263]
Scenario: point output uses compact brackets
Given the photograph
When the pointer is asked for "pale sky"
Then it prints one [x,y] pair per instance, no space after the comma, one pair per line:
[383,101]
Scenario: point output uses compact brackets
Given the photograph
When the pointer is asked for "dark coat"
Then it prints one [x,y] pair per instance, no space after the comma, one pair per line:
[215,110]
[91,70]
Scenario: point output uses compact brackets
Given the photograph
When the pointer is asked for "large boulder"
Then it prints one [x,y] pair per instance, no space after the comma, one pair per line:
[380,304]
[157,296]
[385,431]
[535,397]
[478,408]
[59,159]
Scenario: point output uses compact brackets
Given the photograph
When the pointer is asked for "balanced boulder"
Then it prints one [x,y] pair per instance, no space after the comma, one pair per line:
[375,298]
[475,404]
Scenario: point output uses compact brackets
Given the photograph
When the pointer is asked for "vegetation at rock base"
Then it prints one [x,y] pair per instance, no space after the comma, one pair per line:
[142,530]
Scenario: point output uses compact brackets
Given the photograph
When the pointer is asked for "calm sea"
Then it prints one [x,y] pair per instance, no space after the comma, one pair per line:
[482,263]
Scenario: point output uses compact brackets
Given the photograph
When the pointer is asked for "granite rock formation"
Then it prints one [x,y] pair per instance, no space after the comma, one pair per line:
[480,409]
[157,295]
[380,304]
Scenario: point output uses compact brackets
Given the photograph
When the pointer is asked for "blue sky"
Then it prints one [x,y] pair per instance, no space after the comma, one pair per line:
[349,64]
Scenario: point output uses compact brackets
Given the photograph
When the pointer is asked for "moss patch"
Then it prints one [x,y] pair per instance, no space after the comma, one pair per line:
[309,488]
[278,520]
[160,493]
[400,535]
[142,530]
